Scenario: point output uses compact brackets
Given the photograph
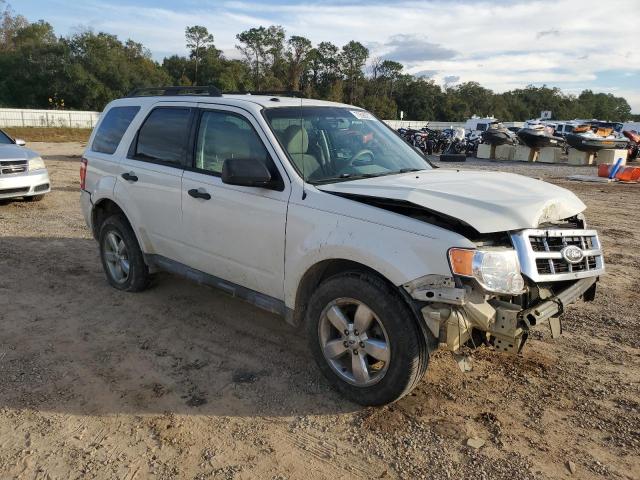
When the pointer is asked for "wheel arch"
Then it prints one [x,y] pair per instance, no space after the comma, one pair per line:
[323,270]
[103,209]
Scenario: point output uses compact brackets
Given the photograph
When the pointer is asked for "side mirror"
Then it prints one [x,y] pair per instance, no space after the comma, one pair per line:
[20,142]
[246,172]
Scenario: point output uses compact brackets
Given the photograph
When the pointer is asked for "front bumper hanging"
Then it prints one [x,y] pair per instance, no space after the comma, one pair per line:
[506,324]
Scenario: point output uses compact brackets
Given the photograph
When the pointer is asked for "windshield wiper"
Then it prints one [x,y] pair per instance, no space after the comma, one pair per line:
[349,176]
[345,177]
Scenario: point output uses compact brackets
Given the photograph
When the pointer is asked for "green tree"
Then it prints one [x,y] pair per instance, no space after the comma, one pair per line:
[468,99]
[263,50]
[198,40]
[353,58]
[178,69]
[297,58]
[102,68]
[420,99]
[87,70]
[34,68]
[10,24]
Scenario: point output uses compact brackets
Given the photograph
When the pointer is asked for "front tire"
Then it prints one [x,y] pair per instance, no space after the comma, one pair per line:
[122,258]
[365,339]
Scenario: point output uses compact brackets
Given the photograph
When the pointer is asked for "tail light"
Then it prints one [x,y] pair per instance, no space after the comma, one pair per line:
[83,173]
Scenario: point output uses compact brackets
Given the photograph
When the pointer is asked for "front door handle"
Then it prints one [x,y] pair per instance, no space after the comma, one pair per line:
[129,177]
[199,193]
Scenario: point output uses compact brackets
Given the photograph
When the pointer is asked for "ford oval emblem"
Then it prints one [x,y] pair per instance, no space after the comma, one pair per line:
[572,254]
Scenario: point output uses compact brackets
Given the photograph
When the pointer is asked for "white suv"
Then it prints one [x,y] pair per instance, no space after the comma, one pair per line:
[321,213]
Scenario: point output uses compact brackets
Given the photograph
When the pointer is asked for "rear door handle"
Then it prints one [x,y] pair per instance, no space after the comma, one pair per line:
[199,193]
[129,177]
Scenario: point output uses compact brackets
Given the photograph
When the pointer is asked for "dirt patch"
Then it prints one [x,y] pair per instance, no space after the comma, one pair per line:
[183,381]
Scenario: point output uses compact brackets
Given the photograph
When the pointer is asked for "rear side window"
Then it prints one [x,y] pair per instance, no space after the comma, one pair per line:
[164,136]
[112,128]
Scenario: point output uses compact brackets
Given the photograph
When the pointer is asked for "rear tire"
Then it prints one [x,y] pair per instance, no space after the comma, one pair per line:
[374,367]
[121,256]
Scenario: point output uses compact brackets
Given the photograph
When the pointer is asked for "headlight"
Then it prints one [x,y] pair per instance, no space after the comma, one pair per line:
[495,270]
[36,164]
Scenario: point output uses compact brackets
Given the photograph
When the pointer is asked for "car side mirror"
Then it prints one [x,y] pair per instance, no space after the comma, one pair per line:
[20,142]
[246,172]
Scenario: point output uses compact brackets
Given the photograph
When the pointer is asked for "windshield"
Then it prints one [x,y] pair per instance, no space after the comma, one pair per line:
[5,139]
[331,144]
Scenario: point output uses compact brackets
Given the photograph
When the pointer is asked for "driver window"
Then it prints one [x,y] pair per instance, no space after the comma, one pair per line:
[225,135]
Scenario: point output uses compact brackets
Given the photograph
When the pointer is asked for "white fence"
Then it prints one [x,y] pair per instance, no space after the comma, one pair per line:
[417,124]
[14,117]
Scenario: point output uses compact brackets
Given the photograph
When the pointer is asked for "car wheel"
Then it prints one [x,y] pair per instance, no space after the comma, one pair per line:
[365,339]
[34,198]
[122,259]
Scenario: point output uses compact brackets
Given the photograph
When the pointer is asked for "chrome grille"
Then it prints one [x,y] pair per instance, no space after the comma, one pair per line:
[541,258]
[11,167]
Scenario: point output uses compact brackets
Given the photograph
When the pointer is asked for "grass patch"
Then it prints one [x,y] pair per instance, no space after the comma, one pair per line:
[49,134]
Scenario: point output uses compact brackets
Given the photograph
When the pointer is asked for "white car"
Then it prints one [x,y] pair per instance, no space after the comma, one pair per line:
[22,171]
[321,213]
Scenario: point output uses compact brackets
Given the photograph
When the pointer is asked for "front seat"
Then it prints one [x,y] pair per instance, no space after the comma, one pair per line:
[296,141]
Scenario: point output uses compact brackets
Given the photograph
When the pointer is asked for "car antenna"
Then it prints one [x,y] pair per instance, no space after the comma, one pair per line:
[304,180]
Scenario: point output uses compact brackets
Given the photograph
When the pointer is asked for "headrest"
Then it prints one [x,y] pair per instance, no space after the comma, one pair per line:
[296,139]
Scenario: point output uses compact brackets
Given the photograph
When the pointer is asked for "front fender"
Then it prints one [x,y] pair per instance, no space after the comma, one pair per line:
[398,255]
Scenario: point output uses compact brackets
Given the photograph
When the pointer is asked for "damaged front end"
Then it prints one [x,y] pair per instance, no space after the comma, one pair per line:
[510,284]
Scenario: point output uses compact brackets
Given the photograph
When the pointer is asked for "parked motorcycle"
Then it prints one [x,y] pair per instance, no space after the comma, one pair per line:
[456,141]
[473,140]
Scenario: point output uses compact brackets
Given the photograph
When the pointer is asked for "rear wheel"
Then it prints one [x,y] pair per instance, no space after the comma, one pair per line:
[122,259]
[365,339]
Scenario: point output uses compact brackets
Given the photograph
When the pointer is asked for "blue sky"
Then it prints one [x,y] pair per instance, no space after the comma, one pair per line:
[502,45]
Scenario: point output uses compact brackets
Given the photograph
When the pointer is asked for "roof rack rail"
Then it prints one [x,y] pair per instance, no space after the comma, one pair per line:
[279,93]
[210,91]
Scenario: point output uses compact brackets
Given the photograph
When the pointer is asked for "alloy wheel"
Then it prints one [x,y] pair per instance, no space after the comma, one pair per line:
[116,257]
[354,342]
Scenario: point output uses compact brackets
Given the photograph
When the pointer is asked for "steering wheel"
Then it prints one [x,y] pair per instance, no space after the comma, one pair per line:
[350,164]
[356,157]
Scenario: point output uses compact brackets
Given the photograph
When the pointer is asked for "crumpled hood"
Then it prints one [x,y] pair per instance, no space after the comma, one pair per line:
[487,201]
[15,152]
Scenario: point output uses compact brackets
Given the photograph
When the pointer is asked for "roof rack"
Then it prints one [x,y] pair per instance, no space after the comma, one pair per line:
[209,91]
[279,93]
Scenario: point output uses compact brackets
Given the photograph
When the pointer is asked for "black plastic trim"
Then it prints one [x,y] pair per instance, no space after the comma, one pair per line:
[168,91]
[258,299]
[270,93]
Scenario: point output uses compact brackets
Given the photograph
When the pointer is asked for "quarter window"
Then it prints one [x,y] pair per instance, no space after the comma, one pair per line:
[225,135]
[164,136]
[112,128]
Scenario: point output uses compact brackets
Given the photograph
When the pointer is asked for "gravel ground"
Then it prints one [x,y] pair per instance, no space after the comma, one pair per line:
[182,381]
